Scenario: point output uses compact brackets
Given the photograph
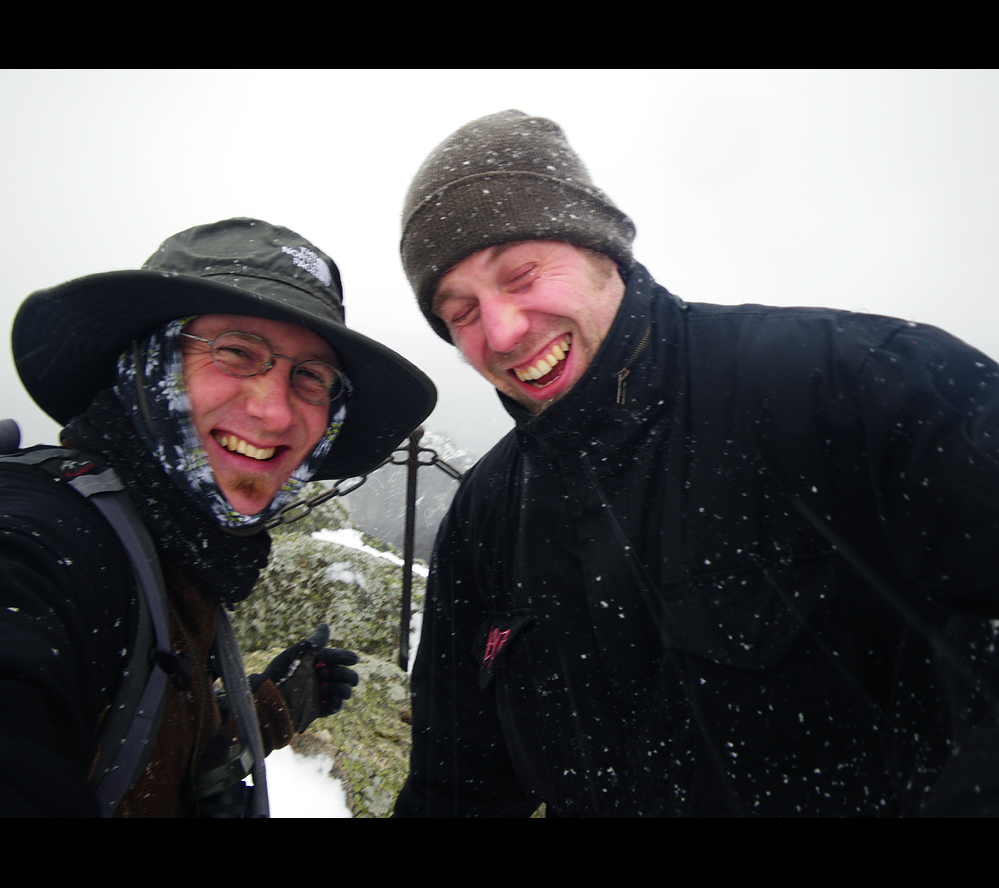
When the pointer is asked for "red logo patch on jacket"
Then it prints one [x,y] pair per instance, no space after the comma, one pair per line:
[494,644]
[494,641]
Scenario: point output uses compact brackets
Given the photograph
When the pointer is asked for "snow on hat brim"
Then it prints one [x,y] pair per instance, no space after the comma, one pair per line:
[67,339]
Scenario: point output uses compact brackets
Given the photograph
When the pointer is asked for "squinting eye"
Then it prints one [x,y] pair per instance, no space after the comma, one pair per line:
[462,317]
[522,277]
[240,349]
[233,351]
[318,382]
[241,359]
[317,374]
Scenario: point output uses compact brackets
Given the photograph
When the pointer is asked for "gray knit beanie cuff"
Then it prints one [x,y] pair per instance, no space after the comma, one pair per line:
[505,177]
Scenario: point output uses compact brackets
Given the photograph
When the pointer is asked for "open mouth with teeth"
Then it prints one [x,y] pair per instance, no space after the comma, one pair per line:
[237,445]
[549,368]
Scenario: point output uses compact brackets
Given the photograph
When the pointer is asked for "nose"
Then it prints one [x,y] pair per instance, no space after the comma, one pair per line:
[269,397]
[504,323]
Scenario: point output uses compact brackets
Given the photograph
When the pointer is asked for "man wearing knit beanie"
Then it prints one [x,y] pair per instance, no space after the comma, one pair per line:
[731,560]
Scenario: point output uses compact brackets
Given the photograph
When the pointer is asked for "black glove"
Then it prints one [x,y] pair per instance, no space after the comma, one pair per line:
[313,679]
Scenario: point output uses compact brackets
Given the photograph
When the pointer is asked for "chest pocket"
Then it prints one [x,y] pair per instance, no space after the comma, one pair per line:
[749,618]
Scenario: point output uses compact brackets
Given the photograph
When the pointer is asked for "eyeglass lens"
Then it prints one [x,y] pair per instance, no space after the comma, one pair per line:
[243,354]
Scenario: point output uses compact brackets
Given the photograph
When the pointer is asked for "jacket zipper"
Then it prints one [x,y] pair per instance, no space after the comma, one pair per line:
[625,371]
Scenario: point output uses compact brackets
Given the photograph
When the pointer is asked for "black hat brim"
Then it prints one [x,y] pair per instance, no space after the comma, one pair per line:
[66,342]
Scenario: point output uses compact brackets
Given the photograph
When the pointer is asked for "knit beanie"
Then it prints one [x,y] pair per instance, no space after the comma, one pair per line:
[505,177]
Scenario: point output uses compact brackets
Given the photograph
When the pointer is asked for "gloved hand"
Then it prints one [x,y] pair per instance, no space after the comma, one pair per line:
[313,679]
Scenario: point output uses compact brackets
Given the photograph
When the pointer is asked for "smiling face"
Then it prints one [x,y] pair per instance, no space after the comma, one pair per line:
[530,316]
[256,430]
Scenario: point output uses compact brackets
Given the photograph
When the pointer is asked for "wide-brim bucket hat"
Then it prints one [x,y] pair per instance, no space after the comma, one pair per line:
[67,339]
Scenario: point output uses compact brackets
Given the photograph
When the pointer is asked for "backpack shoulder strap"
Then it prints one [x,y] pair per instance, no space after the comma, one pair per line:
[243,709]
[142,715]
[132,722]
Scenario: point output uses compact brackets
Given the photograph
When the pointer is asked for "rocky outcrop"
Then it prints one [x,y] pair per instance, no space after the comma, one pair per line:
[310,581]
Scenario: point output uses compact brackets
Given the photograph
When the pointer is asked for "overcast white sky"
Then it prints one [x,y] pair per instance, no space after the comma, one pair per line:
[872,191]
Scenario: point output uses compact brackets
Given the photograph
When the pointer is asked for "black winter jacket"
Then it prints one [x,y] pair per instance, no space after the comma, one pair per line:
[67,624]
[766,583]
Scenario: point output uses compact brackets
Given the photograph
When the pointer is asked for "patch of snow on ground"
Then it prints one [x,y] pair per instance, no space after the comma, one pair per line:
[341,573]
[352,540]
[298,786]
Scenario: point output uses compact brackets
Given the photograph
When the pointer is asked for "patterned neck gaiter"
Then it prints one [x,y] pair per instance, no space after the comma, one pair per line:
[150,385]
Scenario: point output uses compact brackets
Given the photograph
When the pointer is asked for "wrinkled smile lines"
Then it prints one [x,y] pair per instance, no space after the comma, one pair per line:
[545,365]
[237,445]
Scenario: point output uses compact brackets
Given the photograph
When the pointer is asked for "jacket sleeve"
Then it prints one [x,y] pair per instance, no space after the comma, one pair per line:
[64,629]
[459,765]
[936,453]
[937,457]
[273,716]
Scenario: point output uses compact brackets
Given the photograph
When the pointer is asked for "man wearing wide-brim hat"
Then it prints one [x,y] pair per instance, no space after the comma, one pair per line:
[215,382]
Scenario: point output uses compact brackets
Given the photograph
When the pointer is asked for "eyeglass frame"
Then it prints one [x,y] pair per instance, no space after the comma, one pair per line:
[347,388]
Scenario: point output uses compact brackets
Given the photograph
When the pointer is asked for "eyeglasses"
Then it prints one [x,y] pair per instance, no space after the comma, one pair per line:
[243,354]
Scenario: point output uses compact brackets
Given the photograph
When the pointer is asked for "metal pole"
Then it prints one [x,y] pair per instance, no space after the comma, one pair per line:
[407,561]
